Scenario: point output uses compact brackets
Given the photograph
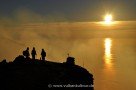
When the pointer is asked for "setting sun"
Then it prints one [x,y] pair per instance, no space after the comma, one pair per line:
[108,19]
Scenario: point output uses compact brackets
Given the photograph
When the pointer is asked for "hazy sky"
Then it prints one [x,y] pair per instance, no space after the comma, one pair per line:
[71,10]
[35,23]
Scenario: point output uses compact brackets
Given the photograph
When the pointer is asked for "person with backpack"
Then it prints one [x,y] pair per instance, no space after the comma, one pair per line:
[26,53]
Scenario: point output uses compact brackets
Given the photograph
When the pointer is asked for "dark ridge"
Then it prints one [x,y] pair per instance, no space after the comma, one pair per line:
[28,74]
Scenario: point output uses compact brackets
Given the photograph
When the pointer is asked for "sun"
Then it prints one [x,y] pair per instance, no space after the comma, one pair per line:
[108,19]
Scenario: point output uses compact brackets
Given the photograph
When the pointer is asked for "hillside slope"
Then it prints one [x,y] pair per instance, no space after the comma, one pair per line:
[22,74]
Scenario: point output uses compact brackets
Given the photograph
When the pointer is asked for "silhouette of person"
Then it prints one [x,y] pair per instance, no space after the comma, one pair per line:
[43,54]
[33,53]
[26,53]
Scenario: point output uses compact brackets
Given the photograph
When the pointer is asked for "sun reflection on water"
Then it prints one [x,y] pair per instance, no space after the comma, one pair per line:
[108,54]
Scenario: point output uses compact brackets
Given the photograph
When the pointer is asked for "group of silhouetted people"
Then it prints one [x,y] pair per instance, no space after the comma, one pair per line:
[33,53]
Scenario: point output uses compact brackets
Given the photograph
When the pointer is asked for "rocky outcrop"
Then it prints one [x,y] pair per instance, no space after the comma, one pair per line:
[24,74]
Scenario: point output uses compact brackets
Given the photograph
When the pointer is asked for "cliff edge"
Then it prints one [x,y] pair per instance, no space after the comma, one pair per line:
[24,74]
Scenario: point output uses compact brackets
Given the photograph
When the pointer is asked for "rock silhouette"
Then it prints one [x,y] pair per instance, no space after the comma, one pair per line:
[23,74]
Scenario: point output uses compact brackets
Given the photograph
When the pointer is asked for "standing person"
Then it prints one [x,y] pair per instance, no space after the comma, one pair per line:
[43,54]
[26,53]
[33,53]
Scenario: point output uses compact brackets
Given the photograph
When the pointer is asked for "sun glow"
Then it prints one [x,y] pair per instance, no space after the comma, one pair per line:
[108,19]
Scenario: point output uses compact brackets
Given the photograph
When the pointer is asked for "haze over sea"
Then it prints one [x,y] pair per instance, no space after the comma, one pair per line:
[108,52]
